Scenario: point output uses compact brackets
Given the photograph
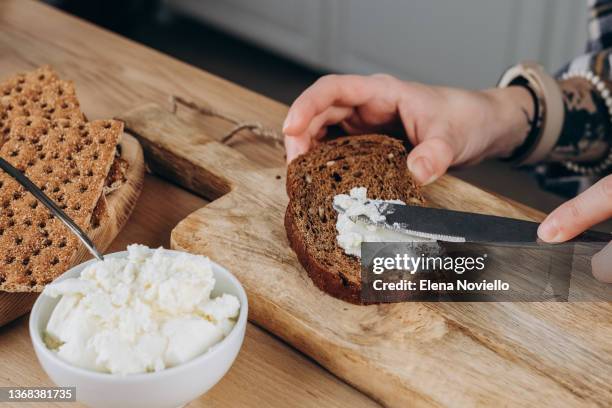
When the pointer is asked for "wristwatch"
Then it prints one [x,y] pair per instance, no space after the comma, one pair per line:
[549,111]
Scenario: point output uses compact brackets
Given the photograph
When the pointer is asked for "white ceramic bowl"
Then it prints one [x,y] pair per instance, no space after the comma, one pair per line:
[172,387]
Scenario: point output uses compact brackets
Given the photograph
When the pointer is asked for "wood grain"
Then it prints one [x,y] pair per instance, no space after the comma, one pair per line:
[267,371]
[120,204]
[446,354]
[113,74]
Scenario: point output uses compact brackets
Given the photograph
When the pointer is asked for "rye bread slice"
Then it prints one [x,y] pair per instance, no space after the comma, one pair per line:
[376,162]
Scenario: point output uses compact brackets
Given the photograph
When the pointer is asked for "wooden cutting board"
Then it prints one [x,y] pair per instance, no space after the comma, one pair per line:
[120,204]
[410,354]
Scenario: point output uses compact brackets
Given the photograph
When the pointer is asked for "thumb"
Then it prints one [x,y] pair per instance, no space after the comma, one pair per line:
[602,264]
[430,160]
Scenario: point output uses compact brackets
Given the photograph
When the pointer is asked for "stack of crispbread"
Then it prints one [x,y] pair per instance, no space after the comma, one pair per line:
[75,162]
[38,93]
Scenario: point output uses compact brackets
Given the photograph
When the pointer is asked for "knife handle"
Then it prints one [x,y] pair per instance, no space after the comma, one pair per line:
[593,236]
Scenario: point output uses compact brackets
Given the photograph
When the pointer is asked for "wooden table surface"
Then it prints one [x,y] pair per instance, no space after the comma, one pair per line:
[112,75]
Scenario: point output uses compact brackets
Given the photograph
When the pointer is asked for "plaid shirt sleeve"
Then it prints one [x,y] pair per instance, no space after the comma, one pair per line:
[599,44]
[600,25]
[586,137]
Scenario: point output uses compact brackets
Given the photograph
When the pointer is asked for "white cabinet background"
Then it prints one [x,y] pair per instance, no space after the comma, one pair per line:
[464,43]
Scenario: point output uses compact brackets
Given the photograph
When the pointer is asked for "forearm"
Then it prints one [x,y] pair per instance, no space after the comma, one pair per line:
[572,124]
[514,118]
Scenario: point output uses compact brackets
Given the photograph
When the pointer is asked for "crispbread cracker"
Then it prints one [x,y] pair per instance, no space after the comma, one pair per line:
[38,93]
[69,160]
[116,175]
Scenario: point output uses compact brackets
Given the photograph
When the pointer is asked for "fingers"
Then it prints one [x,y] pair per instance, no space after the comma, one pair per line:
[430,159]
[332,99]
[577,215]
[330,116]
[294,146]
[340,90]
[300,143]
[602,264]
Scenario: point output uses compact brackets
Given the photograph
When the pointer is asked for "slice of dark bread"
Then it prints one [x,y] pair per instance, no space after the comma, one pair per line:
[313,179]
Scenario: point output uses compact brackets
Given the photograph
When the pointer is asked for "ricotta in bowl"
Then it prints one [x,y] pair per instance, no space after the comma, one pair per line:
[142,313]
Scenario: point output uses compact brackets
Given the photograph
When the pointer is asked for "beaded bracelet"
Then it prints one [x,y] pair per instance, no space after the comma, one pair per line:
[604,92]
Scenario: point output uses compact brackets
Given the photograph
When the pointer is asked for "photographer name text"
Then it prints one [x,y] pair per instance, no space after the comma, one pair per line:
[429,285]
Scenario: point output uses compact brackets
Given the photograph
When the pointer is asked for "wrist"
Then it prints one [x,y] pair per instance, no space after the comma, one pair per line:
[513,112]
[547,121]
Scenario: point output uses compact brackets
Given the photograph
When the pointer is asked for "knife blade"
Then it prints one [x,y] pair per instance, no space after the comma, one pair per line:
[459,226]
[51,206]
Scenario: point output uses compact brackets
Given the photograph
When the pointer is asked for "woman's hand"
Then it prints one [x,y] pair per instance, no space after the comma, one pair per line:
[447,126]
[579,214]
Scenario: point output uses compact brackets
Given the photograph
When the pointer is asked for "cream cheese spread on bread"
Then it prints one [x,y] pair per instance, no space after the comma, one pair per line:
[145,312]
[351,234]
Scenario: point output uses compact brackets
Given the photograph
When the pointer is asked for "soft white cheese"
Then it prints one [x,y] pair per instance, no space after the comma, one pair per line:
[352,234]
[144,313]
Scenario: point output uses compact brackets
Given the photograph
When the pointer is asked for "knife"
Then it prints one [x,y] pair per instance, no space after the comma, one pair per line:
[457,226]
[51,206]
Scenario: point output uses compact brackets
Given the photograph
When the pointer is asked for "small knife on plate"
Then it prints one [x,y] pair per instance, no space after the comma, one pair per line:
[51,206]
[458,226]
